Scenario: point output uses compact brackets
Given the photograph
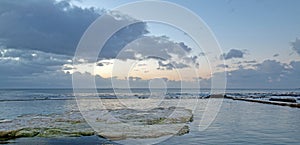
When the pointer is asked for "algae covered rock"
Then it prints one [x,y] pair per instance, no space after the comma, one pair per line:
[184,130]
[152,123]
[114,124]
[7,134]
[27,132]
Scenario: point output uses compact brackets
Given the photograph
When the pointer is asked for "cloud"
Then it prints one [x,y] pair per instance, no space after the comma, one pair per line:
[63,24]
[267,74]
[171,66]
[271,66]
[233,53]
[103,63]
[46,25]
[276,55]
[122,38]
[155,47]
[296,45]
[15,62]
[201,54]
[250,61]
[53,79]
[100,64]
[167,53]
[223,66]
[247,62]
[56,27]
[185,47]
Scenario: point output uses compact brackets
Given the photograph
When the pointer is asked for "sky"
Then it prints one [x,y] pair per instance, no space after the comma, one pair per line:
[259,41]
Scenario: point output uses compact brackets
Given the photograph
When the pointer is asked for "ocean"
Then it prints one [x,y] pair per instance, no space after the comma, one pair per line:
[237,122]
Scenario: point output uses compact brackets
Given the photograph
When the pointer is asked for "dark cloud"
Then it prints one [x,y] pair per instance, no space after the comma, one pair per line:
[155,58]
[233,53]
[160,49]
[44,25]
[154,47]
[268,74]
[100,64]
[53,79]
[246,63]
[276,55]
[171,66]
[121,38]
[271,66]
[103,63]
[201,54]
[296,45]
[15,62]
[250,61]
[56,27]
[185,47]
[223,66]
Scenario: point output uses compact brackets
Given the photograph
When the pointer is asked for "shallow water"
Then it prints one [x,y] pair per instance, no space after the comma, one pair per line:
[241,122]
[238,122]
[91,140]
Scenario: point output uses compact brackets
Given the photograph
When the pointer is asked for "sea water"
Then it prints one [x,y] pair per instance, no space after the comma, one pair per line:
[237,122]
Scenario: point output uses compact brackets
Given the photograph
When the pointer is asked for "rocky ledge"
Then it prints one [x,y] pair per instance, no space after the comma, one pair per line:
[115,124]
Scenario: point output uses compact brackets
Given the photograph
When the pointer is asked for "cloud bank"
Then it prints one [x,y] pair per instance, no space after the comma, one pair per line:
[39,38]
[267,74]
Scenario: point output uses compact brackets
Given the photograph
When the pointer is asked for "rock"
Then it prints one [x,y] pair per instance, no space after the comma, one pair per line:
[184,130]
[27,132]
[74,121]
[7,134]
[151,123]
[120,132]
[57,132]
[51,132]
[114,124]
[160,120]
[217,96]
